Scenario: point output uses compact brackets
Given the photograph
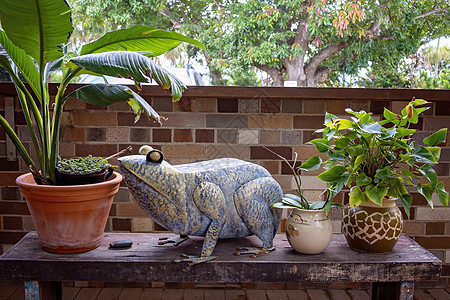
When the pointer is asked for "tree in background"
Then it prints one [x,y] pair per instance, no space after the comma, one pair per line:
[312,42]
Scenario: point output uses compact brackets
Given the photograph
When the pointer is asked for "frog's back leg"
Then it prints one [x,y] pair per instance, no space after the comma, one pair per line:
[253,202]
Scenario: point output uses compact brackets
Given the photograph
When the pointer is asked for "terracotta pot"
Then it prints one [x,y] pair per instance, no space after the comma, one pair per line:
[69,219]
[371,228]
[309,231]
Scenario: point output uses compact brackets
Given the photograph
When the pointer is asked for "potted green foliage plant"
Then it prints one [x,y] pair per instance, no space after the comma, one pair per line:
[308,227]
[33,39]
[83,170]
[378,160]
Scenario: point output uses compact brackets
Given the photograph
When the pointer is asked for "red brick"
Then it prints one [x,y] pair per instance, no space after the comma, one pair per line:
[182,135]
[435,228]
[336,106]
[13,208]
[269,105]
[73,134]
[127,119]
[258,152]
[12,223]
[183,105]
[103,150]
[314,107]
[433,242]
[9,165]
[162,135]
[308,122]
[121,224]
[204,136]
[445,270]
[9,178]
[184,151]
[377,107]
[227,105]
[442,108]
[270,121]
[10,193]
[97,118]
[11,237]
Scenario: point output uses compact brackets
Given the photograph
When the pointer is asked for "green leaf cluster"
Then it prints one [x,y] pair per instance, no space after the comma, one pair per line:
[299,201]
[33,43]
[378,159]
[83,165]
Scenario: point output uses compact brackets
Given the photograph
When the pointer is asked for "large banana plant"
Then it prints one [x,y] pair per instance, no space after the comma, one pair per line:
[33,39]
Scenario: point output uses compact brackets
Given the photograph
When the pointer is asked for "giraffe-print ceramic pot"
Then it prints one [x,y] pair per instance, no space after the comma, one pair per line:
[309,231]
[371,228]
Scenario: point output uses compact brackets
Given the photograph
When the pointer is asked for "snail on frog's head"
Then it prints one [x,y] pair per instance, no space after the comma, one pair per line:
[152,155]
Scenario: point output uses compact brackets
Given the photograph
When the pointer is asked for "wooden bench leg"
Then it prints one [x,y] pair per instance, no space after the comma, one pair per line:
[392,290]
[43,290]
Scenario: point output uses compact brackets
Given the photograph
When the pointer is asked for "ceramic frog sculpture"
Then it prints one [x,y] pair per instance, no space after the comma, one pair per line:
[220,198]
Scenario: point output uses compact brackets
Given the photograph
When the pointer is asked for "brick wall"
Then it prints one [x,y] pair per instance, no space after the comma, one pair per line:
[214,122]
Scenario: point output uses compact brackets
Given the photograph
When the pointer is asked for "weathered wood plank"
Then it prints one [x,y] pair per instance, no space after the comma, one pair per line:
[146,261]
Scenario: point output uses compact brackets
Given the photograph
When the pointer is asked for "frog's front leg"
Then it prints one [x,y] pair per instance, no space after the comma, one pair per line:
[210,200]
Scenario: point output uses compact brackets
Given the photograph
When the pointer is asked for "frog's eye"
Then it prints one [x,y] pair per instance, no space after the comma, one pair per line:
[155,156]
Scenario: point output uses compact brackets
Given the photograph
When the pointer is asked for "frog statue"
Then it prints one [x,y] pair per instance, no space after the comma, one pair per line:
[220,198]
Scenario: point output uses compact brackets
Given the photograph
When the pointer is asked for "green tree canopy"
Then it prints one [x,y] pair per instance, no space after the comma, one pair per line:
[309,41]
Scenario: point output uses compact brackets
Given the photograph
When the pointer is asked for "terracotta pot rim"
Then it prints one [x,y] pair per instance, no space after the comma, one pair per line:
[20,181]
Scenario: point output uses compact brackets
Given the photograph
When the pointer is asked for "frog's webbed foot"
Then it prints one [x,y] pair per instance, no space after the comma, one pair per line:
[254,251]
[194,259]
[175,241]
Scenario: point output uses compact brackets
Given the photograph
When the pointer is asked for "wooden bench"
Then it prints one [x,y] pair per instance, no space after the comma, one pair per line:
[392,275]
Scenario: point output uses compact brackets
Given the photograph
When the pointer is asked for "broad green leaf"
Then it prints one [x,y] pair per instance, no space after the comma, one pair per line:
[442,194]
[383,173]
[317,205]
[376,193]
[426,155]
[345,124]
[281,205]
[371,128]
[322,145]
[402,132]
[427,192]
[342,142]
[130,65]
[406,200]
[22,61]
[334,174]
[356,196]
[436,138]
[116,63]
[429,173]
[311,164]
[359,160]
[40,28]
[408,173]
[362,180]
[102,94]
[418,102]
[351,135]
[389,115]
[139,38]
